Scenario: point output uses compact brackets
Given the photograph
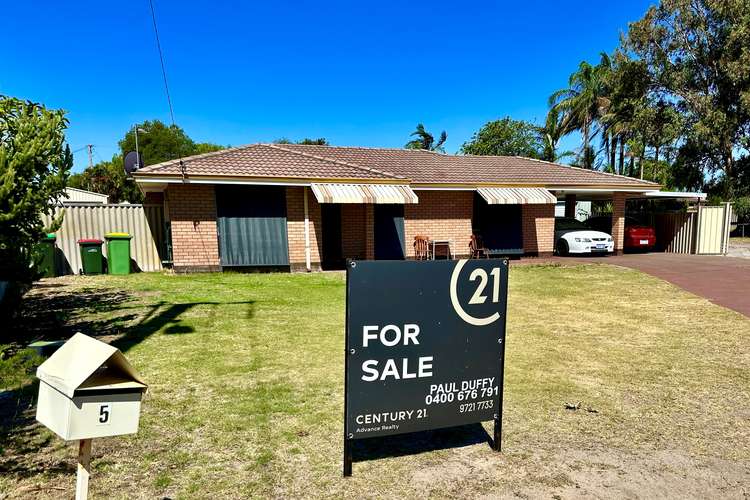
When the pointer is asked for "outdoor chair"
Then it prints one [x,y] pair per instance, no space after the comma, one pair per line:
[422,248]
[476,247]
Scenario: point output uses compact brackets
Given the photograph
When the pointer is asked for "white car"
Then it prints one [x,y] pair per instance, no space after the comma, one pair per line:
[574,237]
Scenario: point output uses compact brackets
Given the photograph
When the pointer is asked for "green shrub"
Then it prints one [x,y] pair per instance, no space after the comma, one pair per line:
[741,207]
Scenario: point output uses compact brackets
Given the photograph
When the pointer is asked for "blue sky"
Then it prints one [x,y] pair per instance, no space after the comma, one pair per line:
[357,73]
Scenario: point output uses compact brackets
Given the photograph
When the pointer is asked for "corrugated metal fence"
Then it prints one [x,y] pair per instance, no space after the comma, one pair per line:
[703,231]
[144,223]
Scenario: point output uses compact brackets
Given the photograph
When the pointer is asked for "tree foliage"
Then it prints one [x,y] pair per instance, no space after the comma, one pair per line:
[506,137]
[425,140]
[672,104]
[34,167]
[108,177]
[157,142]
[697,53]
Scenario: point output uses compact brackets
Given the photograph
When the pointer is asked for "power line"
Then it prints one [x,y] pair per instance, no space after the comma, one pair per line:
[161,59]
[166,85]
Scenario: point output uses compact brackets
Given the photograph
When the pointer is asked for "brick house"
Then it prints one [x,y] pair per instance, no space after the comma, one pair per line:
[303,206]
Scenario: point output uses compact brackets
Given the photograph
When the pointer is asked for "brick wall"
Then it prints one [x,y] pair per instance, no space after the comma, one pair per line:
[440,215]
[195,243]
[353,231]
[618,221]
[295,226]
[538,222]
[370,231]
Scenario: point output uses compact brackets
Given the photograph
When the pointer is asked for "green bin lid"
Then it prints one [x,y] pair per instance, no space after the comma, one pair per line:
[50,236]
[117,236]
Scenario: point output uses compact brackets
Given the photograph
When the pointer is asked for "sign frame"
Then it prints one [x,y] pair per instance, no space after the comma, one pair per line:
[349,351]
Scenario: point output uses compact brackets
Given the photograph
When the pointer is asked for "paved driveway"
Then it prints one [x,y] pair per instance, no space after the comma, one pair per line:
[722,280]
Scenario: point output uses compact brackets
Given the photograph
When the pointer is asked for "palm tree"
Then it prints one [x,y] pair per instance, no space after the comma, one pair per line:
[556,126]
[585,101]
[425,140]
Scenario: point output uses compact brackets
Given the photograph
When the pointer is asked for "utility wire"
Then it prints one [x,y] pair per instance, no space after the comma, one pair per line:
[161,59]
[166,85]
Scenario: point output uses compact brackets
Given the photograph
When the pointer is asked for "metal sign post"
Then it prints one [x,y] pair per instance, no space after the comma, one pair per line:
[425,347]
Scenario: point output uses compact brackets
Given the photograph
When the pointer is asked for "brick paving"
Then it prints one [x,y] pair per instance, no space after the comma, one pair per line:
[722,280]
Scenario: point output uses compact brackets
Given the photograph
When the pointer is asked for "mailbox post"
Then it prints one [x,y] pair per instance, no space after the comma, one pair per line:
[87,389]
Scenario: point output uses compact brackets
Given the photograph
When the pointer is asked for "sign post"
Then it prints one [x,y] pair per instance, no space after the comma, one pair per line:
[425,347]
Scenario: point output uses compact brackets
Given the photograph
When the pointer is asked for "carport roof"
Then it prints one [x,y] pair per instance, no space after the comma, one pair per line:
[384,165]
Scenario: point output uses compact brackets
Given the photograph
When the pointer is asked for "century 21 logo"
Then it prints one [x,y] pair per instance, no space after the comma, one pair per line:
[478,297]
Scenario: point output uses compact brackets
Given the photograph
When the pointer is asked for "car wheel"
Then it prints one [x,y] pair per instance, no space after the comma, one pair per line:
[562,248]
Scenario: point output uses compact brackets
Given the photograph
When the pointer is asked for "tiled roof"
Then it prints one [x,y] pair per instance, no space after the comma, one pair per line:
[418,166]
[266,160]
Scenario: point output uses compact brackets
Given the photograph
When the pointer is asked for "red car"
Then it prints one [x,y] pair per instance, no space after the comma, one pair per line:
[637,236]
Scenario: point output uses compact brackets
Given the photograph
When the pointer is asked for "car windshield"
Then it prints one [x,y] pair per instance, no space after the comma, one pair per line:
[567,224]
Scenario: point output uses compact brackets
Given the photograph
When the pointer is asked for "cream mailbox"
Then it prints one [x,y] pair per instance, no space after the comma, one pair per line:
[88,390]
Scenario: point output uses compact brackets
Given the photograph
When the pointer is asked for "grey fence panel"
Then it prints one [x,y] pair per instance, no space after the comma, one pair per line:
[145,224]
[713,229]
[675,232]
[704,231]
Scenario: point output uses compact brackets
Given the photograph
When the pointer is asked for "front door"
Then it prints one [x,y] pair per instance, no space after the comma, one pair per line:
[389,232]
[333,256]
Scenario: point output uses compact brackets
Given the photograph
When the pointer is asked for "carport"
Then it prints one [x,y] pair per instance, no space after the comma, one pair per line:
[700,229]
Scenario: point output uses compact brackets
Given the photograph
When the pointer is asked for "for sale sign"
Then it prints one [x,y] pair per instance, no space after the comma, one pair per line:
[425,343]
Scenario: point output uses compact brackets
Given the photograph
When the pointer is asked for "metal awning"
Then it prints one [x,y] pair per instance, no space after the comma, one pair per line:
[675,195]
[517,196]
[363,193]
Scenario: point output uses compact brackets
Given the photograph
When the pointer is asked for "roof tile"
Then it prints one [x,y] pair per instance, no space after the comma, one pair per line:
[418,166]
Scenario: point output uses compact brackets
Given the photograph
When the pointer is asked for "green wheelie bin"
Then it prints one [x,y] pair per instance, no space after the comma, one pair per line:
[91,256]
[46,250]
[118,253]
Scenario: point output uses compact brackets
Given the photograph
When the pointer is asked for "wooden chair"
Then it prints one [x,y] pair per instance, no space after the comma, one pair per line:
[421,247]
[476,247]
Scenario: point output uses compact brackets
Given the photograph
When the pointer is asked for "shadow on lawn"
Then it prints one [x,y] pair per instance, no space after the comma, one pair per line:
[55,313]
[164,315]
[419,442]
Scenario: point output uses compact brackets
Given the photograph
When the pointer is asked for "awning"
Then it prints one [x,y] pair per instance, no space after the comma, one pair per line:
[517,196]
[363,193]
[675,195]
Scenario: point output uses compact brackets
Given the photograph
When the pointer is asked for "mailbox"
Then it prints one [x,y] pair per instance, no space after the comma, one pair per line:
[88,389]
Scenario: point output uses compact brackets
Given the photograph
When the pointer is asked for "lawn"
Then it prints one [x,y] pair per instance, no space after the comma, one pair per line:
[246,393]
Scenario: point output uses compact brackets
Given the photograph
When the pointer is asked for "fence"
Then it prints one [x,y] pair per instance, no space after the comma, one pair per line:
[144,223]
[703,231]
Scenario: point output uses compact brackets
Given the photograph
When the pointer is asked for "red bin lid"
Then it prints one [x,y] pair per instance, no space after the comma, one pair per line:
[90,240]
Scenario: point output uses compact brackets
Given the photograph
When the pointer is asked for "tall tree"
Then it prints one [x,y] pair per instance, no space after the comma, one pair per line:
[697,53]
[506,137]
[34,167]
[158,142]
[556,126]
[584,101]
[425,140]
[108,177]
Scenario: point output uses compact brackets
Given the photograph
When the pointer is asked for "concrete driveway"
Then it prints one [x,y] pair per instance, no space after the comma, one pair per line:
[722,280]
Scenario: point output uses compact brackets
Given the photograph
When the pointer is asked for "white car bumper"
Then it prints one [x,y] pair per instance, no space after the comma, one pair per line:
[591,247]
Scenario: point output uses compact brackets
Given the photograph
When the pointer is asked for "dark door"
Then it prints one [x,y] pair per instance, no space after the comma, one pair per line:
[389,232]
[333,256]
[499,225]
[252,225]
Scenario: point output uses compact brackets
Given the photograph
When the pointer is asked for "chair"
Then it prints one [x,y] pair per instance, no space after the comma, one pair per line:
[421,247]
[476,247]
